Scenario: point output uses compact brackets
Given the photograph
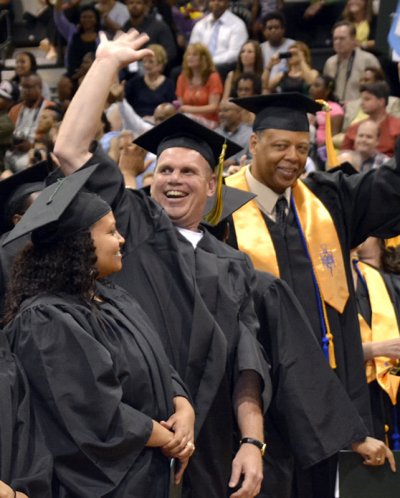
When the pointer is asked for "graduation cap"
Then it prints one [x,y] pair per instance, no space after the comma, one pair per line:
[181,131]
[15,189]
[62,209]
[232,200]
[288,111]
[280,111]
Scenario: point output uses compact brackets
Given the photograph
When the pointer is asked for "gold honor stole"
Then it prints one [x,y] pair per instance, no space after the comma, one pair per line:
[320,235]
[384,326]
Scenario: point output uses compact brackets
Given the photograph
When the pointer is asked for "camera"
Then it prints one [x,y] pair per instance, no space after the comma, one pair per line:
[285,55]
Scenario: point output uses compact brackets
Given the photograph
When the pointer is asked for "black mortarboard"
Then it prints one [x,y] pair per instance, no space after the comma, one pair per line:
[280,111]
[356,479]
[181,131]
[62,209]
[14,189]
[232,200]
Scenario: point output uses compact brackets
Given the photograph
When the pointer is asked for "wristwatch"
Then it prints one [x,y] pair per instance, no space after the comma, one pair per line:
[260,445]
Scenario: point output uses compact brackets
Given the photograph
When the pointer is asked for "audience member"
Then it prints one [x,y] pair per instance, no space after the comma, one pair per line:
[299,75]
[374,99]
[145,92]
[25,117]
[323,88]
[360,14]
[157,30]
[349,62]
[114,14]
[25,64]
[223,33]
[250,61]
[199,87]
[9,95]
[247,85]
[81,38]
[366,145]
[354,113]
[231,126]
[276,43]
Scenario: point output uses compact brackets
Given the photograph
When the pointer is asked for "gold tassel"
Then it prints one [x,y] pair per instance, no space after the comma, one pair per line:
[332,160]
[214,215]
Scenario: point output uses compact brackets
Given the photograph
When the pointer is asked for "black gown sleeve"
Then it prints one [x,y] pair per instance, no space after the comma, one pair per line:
[310,408]
[25,462]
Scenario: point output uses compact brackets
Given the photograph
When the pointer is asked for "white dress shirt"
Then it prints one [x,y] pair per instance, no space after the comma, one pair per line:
[231,36]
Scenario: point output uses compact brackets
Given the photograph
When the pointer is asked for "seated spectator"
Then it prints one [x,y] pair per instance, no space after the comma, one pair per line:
[324,88]
[199,87]
[360,14]
[348,63]
[114,15]
[374,99]
[223,33]
[231,127]
[81,38]
[354,113]
[247,85]
[276,43]
[48,121]
[145,92]
[39,13]
[26,64]
[158,31]
[25,117]
[250,61]
[9,94]
[366,146]
[299,75]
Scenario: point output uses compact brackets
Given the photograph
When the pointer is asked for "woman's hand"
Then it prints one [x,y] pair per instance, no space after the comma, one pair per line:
[181,423]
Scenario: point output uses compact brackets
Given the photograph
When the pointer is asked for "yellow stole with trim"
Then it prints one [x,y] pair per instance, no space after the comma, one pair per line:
[384,326]
[320,234]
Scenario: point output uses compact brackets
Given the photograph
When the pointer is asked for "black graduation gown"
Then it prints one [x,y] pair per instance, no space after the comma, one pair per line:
[201,308]
[381,406]
[296,425]
[360,206]
[98,377]
[25,462]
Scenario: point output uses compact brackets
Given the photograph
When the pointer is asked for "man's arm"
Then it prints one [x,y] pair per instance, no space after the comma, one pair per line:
[79,125]
[249,414]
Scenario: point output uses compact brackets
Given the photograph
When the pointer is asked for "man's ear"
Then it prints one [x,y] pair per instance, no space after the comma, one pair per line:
[253,142]
[212,185]
[16,218]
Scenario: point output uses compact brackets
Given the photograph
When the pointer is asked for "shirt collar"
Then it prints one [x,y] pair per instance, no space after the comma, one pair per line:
[266,197]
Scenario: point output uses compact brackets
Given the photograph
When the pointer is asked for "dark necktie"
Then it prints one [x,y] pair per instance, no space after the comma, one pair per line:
[280,212]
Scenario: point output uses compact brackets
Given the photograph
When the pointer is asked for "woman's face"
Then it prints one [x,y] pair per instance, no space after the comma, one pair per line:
[356,6]
[22,65]
[248,55]
[151,65]
[87,20]
[193,59]
[317,89]
[108,242]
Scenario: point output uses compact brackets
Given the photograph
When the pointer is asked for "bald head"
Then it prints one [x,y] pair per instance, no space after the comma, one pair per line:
[367,138]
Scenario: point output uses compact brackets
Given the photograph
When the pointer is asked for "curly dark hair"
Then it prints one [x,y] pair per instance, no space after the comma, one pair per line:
[66,266]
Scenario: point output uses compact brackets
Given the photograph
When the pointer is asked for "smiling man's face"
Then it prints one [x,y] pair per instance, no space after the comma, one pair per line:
[182,183]
[279,157]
